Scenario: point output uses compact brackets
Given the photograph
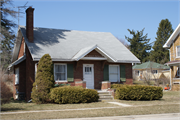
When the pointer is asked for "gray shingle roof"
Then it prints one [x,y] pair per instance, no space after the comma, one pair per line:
[63,45]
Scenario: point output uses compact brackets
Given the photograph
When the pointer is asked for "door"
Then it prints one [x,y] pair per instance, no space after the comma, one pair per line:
[88,75]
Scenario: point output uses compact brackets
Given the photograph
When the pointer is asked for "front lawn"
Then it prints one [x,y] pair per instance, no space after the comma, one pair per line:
[168,104]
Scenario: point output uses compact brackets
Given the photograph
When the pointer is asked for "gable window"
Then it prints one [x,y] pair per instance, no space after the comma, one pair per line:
[114,73]
[60,72]
[154,71]
[16,76]
[177,51]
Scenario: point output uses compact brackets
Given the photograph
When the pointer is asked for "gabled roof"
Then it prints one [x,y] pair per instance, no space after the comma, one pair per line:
[72,45]
[148,65]
[172,37]
[83,52]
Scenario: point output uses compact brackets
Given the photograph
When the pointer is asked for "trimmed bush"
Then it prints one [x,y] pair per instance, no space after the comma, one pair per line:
[44,80]
[139,92]
[117,85]
[69,94]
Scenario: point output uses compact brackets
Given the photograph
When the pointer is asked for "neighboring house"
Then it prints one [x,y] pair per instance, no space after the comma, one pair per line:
[173,44]
[150,70]
[80,58]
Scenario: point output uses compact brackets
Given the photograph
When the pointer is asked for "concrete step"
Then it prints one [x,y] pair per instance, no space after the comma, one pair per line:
[105,95]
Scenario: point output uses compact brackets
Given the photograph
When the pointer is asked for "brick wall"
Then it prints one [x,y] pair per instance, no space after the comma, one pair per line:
[98,72]
[21,51]
[30,74]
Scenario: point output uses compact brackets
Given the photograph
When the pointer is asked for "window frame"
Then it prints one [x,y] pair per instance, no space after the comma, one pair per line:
[65,72]
[177,51]
[118,73]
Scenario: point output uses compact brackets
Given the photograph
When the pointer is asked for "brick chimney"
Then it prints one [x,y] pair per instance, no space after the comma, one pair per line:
[29,24]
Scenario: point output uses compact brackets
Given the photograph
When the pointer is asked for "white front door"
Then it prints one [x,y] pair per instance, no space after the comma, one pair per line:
[88,75]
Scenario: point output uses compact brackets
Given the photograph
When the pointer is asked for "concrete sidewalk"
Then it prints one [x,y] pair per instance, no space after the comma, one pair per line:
[168,116]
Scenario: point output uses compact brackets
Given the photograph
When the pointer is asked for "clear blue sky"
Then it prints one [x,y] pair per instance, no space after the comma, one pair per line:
[115,16]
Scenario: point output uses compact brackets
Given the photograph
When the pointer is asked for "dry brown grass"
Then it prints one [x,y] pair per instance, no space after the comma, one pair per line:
[168,104]
[96,113]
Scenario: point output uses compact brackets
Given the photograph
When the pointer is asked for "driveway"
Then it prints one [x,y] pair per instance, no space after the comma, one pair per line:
[168,116]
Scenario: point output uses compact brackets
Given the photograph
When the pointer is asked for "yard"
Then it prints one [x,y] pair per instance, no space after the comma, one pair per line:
[168,104]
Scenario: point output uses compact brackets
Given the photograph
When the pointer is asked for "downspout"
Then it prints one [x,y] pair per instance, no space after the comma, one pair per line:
[170,67]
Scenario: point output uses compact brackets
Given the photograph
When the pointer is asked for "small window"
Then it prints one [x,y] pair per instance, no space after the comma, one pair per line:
[178,51]
[154,71]
[16,76]
[60,72]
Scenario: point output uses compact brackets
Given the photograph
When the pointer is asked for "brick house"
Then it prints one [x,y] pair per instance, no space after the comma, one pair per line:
[89,59]
[173,44]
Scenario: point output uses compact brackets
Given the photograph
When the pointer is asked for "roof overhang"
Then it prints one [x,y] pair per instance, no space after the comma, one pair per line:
[17,61]
[173,63]
[172,37]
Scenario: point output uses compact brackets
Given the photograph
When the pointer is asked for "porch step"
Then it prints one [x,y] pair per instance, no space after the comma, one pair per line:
[104,95]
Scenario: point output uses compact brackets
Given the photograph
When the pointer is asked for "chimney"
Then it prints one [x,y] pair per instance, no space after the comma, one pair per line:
[29,24]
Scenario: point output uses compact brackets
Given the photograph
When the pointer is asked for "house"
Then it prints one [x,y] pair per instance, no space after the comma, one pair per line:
[89,59]
[173,44]
[150,70]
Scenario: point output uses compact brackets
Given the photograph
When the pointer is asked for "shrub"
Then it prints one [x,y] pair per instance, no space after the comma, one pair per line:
[44,80]
[6,93]
[69,94]
[117,85]
[138,92]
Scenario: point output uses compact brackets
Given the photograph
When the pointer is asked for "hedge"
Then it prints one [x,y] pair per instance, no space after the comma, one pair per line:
[138,92]
[70,94]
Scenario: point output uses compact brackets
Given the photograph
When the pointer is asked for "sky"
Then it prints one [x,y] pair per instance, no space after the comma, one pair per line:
[114,16]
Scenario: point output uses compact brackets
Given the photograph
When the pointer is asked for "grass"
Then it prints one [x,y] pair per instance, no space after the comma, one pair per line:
[12,107]
[168,104]
[141,82]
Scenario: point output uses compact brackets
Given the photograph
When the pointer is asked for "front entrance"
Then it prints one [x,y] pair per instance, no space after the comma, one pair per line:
[88,75]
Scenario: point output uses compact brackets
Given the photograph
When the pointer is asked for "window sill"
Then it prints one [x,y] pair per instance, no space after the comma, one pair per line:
[61,81]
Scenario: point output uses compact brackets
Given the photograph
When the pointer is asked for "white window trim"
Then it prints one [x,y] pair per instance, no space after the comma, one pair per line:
[65,75]
[177,52]
[16,81]
[118,72]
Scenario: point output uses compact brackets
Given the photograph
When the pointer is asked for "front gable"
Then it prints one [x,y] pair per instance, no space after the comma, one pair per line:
[94,53]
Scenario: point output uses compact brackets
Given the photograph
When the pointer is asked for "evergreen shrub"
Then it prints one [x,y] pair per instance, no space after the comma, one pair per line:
[44,80]
[138,92]
[72,94]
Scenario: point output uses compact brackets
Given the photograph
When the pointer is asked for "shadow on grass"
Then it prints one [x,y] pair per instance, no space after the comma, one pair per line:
[10,109]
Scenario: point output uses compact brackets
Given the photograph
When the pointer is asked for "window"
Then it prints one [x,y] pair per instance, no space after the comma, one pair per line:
[177,51]
[178,72]
[154,71]
[137,72]
[60,72]
[16,76]
[114,73]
